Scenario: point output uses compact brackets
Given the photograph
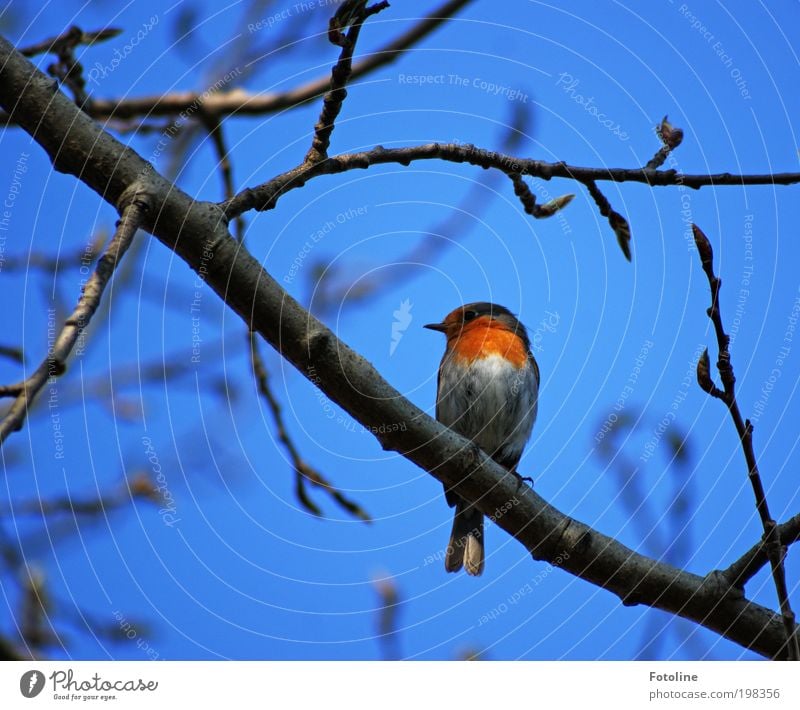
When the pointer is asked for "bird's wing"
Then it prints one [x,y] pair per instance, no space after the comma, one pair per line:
[535,366]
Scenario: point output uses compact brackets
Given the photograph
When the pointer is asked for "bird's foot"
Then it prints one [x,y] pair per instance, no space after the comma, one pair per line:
[522,479]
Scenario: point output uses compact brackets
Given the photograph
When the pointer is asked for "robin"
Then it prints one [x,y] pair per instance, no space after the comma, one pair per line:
[488,391]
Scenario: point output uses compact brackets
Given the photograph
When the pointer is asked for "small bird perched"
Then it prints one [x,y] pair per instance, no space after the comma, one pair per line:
[488,391]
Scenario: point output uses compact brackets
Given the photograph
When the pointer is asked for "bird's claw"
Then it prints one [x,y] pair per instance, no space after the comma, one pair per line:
[522,479]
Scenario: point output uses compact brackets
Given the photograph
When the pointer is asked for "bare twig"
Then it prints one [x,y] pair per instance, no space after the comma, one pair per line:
[68,69]
[241,102]
[12,352]
[776,551]
[70,39]
[351,16]
[52,263]
[671,138]
[55,363]
[670,542]
[226,170]
[139,486]
[617,222]
[747,566]
[436,240]
[304,473]
[265,196]
[529,203]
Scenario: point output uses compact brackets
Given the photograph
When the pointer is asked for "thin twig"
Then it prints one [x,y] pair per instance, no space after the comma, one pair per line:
[748,565]
[671,138]
[139,486]
[438,238]
[240,102]
[350,15]
[617,222]
[529,203]
[12,353]
[68,70]
[55,363]
[303,471]
[776,552]
[72,37]
[225,169]
[266,196]
[52,263]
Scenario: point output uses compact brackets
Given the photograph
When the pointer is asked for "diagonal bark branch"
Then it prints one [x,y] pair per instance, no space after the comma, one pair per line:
[78,145]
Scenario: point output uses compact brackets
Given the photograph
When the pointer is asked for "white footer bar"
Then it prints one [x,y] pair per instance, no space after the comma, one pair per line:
[236,685]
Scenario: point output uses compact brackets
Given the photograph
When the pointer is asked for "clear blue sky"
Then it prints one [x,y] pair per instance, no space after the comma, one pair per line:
[240,571]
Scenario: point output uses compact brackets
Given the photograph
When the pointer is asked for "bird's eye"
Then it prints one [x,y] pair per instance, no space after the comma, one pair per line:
[470,315]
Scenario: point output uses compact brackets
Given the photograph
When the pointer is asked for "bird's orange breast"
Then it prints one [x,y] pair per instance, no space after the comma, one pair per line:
[484,337]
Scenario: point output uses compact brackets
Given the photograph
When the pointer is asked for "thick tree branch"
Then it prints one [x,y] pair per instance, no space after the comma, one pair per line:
[56,361]
[776,552]
[193,229]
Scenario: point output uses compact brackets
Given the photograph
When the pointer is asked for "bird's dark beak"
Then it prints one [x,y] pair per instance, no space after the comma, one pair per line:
[441,327]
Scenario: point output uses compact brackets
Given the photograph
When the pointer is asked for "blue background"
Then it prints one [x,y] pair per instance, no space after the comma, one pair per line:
[245,572]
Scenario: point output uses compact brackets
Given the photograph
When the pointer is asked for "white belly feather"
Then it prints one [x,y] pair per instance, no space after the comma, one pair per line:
[491,402]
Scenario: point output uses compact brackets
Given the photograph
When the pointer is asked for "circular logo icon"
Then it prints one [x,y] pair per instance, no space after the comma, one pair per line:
[31,683]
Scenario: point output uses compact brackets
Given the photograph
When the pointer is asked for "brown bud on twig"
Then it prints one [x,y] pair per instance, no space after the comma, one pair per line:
[100,35]
[623,231]
[349,13]
[704,373]
[548,209]
[703,246]
[671,136]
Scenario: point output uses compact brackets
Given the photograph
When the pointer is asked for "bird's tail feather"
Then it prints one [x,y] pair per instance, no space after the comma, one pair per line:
[466,541]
